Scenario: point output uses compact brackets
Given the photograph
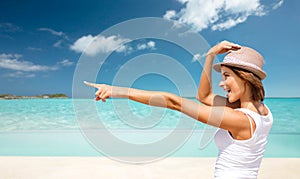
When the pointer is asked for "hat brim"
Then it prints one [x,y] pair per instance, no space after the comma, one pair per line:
[260,73]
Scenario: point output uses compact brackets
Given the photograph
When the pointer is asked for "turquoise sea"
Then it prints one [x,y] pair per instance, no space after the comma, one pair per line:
[49,127]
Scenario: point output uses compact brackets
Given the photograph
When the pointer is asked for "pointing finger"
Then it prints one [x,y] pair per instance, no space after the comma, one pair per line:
[90,84]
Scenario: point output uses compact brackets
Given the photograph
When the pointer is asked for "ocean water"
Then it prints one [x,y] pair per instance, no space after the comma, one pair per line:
[55,127]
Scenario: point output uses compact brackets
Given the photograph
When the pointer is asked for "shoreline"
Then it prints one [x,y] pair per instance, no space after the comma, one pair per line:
[103,167]
[43,96]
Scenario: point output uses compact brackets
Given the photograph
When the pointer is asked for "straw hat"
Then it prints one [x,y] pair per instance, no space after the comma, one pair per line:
[245,58]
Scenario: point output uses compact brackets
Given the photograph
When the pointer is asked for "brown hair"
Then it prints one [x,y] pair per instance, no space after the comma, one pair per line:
[254,82]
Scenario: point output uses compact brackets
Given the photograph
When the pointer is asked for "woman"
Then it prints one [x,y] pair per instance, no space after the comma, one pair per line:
[243,119]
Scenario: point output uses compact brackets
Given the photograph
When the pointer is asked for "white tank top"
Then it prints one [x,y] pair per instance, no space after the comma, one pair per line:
[242,158]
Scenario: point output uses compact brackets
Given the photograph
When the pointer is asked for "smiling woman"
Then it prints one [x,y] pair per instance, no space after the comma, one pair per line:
[253,81]
[243,119]
[246,64]
[242,73]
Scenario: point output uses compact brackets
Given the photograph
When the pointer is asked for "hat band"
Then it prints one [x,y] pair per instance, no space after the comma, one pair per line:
[239,62]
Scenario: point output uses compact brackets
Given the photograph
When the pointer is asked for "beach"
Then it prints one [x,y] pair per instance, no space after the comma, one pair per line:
[102,167]
[41,139]
[54,125]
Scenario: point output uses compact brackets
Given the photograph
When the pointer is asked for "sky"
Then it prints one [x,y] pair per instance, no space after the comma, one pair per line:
[42,42]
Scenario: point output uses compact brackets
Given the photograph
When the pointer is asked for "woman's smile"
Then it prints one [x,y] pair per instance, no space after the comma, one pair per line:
[232,84]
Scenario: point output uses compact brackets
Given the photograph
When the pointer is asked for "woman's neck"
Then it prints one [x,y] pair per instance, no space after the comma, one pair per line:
[250,104]
[256,106]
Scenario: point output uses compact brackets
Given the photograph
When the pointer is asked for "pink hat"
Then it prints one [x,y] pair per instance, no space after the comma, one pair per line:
[245,58]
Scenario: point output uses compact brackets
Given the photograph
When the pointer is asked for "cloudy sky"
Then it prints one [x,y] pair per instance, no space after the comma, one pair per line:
[41,42]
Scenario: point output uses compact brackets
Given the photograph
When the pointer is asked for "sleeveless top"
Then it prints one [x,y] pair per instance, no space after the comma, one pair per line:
[242,158]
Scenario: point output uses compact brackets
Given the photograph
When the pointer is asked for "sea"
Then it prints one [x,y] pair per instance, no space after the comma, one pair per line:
[120,127]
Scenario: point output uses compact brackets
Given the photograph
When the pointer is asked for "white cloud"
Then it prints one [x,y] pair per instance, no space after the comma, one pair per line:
[26,69]
[141,46]
[125,49]
[65,62]
[63,37]
[6,29]
[92,45]
[148,45]
[9,27]
[34,49]
[197,57]
[217,15]
[169,14]
[12,62]
[245,6]
[82,43]
[53,32]
[19,74]
[277,5]
[229,23]
[182,1]
[151,44]
[58,43]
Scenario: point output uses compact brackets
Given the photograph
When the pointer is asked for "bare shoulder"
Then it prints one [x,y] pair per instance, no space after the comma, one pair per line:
[233,120]
[217,100]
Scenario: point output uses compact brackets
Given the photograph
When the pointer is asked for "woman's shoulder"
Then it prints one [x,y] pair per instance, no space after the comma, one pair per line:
[262,111]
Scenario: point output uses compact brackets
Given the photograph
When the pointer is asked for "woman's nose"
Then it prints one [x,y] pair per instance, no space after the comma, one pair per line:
[222,84]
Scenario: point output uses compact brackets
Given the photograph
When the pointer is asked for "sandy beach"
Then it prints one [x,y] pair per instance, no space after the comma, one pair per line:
[102,167]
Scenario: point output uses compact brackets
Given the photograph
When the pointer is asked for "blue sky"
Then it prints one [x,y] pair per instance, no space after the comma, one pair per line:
[41,41]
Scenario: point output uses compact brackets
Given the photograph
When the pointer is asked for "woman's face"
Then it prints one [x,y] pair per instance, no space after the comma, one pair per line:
[233,84]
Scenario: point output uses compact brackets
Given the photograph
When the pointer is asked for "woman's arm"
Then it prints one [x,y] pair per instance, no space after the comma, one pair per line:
[205,93]
[222,117]
[153,98]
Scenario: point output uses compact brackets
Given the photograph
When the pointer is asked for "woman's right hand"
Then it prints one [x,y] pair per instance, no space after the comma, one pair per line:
[103,91]
[223,47]
[205,93]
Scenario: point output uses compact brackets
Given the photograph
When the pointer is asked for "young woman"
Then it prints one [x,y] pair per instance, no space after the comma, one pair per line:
[243,119]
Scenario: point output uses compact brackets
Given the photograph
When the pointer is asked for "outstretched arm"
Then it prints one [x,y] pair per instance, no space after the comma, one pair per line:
[153,98]
[223,117]
[205,94]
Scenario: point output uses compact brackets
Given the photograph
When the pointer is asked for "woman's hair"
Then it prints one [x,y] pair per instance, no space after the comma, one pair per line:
[254,82]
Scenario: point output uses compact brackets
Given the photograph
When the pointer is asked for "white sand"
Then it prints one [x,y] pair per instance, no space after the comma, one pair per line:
[101,167]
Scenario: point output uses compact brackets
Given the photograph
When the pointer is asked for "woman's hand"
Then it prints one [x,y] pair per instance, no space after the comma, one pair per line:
[104,91]
[223,47]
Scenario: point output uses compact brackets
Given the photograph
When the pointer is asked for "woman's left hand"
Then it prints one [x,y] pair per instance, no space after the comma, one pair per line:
[223,47]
